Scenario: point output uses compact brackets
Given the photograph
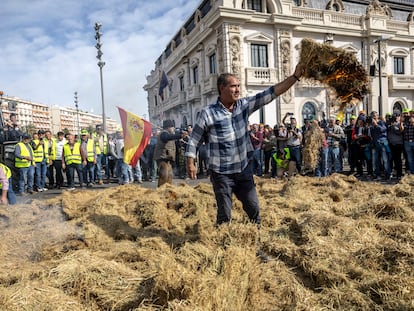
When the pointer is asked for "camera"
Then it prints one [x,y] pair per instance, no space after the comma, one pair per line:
[289,127]
[369,120]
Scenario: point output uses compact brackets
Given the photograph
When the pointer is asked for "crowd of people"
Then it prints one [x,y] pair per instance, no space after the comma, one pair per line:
[44,160]
[374,147]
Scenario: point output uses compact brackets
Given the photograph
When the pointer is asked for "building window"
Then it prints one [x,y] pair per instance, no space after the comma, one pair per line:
[195,75]
[213,64]
[399,65]
[308,111]
[397,108]
[259,55]
[254,5]
[181,83]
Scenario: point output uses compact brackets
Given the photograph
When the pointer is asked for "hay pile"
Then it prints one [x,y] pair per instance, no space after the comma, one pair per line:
[314,138]
[335,67]
[337,244]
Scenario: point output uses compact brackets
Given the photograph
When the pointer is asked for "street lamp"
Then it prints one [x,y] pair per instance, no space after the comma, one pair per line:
[77,112]
[98,46]
[378,41]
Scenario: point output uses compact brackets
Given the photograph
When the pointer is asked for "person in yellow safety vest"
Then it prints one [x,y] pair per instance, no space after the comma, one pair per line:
[41,156]
[23,155]
[7,193]
[88,153]
[102,149]
[285,166]
[50,146]
[72,161]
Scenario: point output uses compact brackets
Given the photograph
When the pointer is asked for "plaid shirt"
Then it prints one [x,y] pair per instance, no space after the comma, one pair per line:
[409,132]
[225,133]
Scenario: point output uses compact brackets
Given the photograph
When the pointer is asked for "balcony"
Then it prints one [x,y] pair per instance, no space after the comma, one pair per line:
[401,82]
[193,92]
[177,99]
[210,84]
[261,76]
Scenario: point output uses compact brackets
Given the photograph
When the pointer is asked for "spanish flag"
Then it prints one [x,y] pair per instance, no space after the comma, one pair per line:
[137,134]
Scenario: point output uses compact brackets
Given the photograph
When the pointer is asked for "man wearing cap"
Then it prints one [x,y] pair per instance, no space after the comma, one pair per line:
[88,153]
[41,156]
[72,161]
[24,163]
[165,150]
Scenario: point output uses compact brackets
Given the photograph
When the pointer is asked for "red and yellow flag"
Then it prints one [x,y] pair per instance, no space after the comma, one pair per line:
[137,134]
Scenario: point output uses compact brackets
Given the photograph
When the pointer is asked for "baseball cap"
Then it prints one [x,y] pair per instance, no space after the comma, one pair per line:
[25,136]
[84,132]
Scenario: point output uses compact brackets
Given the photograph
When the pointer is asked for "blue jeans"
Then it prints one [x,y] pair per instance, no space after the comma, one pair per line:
[40,174]
[409,149]
[89,172]
[11,196]
[242,185]
[322,168]
[101,160]
[334,161]
[121,169]
[70,169]
[381,151]
[26,174]
[296,155]
[257,165]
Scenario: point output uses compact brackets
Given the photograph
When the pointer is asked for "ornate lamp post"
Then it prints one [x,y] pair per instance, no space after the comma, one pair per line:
[101,63]
[378,41]
[77,113]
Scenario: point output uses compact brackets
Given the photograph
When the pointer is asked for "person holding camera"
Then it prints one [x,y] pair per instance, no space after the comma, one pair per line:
[294,140]
[380,148]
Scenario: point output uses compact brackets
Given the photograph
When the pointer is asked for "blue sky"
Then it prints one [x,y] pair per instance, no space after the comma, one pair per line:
[47,50]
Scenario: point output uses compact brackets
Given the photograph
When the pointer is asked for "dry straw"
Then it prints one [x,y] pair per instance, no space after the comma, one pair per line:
[336,244]
[336,68]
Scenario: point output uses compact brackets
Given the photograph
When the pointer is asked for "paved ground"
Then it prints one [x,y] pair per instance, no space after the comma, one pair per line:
[147,184]
[151,185]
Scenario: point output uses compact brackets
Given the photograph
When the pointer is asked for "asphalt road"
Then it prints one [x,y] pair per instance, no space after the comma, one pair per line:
[27,199]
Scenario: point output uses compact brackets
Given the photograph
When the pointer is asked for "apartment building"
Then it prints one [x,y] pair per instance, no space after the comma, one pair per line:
[258,41]
[35,116]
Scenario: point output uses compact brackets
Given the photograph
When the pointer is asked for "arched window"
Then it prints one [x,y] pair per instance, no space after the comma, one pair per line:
[308,111]
[397,107]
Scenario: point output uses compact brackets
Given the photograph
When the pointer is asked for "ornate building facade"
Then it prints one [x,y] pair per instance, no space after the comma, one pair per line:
[258,41]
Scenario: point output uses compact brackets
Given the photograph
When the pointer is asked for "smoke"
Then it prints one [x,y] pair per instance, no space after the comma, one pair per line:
[27,229]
